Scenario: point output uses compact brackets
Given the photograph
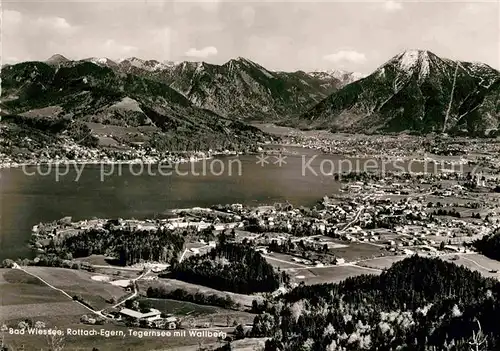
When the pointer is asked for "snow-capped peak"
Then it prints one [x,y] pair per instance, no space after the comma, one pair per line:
[243,60]
[200,67]
[135,61]
[345,77]
[101,61]
[170,63]
[147,65]
[409,59]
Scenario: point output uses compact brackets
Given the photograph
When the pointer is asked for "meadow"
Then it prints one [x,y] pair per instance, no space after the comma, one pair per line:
[78,282]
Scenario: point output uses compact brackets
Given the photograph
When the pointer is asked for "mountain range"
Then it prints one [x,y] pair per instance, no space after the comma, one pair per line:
[415,91]
[239,89]
[138,108]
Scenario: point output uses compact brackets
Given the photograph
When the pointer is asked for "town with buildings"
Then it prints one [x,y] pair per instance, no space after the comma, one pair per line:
[375,219]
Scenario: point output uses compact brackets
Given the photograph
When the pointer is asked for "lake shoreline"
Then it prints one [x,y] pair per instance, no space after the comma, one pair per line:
[147,160]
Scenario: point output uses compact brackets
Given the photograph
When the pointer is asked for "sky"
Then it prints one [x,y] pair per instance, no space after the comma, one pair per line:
[280,35]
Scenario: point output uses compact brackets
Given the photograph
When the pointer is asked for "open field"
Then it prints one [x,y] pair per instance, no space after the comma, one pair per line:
[381,262]
[477,262]
[219,319]
[94,259]
[280,264]
[37,310]
[473,261]
[23,296]
[335,274]
[180,307]
[358,251]
[116,273]
[282,261]
[77,282]
[19,288]
[172,284]
[201,313]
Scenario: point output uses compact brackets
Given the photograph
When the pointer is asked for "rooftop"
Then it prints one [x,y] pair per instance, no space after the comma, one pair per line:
[138,315]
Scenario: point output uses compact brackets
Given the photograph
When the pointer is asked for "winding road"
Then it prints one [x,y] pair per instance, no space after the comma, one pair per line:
[133,281]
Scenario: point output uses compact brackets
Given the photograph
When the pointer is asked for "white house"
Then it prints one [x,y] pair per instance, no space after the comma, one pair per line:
[165,323]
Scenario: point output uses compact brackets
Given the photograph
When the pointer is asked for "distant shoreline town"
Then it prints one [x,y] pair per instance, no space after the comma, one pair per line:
[243,259]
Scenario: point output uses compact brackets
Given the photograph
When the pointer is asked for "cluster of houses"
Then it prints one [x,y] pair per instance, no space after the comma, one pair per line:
[152,319]
[174,223]
[135,225]
[353,217]
[360,146]
[413,225]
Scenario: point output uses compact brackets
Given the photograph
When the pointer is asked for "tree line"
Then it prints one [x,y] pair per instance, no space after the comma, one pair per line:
[489,245]
[451,213]
[417,304]
[127,246]
[230,267]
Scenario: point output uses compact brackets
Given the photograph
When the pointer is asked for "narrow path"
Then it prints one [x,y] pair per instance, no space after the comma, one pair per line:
[99,313]
[476,263]
[353,221]
[183,254]
[136,292]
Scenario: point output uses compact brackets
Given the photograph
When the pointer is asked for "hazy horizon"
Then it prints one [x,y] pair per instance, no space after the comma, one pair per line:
[282,36]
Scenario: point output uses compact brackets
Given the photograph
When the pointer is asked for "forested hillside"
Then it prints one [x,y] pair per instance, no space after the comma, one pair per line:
[418,304]
[231,267]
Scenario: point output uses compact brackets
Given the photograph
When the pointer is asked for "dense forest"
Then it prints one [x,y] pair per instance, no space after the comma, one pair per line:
[129,247]
[489,245]
[230,267]
[417,304]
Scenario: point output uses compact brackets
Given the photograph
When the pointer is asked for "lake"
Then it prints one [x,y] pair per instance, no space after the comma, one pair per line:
[28,197]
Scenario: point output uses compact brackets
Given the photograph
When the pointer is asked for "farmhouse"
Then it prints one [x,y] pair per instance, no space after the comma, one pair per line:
[165,323]
[152,315]
[340,260]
